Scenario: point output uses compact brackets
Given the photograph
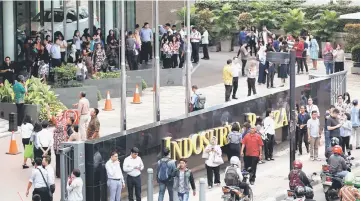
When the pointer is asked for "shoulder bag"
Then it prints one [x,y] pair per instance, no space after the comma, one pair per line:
[46,183]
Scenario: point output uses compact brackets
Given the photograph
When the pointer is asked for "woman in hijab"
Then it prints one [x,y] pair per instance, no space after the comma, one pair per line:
[213,155]
[328,58]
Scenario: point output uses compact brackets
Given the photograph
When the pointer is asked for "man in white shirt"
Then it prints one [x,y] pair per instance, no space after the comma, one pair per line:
[83,109]
[39,179]
[195,39]
[314,134]
[205,42]
[236,67]
[311,107]
[133,165]
[194,98]
[75,186]
[45,139]
[51,173]
[269,129]
[265,34]
[115,181]
[183,31]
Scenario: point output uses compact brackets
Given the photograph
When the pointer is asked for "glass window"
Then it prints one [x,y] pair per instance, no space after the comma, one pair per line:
[58,16]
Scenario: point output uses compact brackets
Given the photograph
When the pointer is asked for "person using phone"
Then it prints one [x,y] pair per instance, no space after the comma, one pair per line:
[183,177]
[75,186]
[133,165]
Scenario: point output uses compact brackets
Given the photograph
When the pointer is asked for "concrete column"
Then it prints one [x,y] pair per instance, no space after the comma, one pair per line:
[8,28]
[109,24]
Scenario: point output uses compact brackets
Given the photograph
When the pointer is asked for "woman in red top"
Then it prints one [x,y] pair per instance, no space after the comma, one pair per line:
[299,47]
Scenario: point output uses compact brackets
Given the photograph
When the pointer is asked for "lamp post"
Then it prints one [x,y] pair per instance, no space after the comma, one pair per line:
[289,58]
[123,117]
[188,59]
[156,63]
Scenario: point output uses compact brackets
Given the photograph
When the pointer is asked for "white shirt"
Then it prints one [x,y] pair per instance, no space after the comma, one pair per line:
[211,154]
[205,37]
[236,68]
[51,174]
[63,43]
[182,33]
[75,190]
[26,130]
[45,138]
[130,164]
[36,179]
[311,108]
[269,126]
[195,37]
[114,171]
[79,67]
[194,97]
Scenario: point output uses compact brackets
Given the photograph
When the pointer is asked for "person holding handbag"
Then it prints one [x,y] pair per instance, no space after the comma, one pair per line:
[213,154]
[26,129]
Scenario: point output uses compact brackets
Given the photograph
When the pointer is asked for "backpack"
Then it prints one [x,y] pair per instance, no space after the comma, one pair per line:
[295,179]
[201,101]
[231,177]
[163,171]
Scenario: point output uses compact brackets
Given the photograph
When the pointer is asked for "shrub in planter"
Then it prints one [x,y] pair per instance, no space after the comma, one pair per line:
[355,51]
[64,74]
[38,94]
[353,36]
[107,75]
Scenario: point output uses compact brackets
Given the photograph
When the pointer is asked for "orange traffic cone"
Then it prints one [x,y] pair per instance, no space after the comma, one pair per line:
[136,97]
[108,103]
[13,149]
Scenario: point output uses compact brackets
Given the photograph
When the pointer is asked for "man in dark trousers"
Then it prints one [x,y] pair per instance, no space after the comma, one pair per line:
[253,144]
[270,70]
[19,91]
[7,71]
[195,39]
[166,167]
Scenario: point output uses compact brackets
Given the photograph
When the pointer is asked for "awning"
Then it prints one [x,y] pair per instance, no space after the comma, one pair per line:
[351,16]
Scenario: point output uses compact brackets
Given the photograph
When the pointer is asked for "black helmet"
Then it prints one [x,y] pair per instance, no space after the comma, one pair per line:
[300,191]
[335,141]
[309,193]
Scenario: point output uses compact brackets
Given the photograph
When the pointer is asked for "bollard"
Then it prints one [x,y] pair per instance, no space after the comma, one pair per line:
[150,185]
[202,189]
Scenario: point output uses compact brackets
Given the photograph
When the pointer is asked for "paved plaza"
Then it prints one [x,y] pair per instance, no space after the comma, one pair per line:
[172,105]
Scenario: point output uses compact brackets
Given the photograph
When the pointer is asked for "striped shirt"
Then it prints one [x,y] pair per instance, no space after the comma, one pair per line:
[328,57]
[349,193]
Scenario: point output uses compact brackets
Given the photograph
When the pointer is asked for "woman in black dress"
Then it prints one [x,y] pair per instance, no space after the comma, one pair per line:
[283,70]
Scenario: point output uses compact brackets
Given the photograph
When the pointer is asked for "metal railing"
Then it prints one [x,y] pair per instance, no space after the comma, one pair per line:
[338,83]
[72,155]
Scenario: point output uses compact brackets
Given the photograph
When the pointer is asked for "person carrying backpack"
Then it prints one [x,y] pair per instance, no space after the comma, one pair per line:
[166,167]
[233,176]
[198,100]
[297,177]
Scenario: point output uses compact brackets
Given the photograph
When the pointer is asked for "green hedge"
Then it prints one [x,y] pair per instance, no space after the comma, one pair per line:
[355,51]
[311,11]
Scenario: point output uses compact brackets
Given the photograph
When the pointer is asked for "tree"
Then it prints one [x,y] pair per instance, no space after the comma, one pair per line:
[245,19]
[326,25]
[182,15]
[294,21]
[205,18]
[226,21]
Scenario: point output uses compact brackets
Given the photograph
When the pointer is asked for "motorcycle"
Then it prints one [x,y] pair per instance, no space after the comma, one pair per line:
[291,196]
[332,183]
[234,193]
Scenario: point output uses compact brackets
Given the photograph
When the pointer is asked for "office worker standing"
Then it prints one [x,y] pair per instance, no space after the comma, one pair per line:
[115,177]
[133,165]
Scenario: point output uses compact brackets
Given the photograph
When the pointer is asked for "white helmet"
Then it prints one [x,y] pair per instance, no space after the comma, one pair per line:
[234,160]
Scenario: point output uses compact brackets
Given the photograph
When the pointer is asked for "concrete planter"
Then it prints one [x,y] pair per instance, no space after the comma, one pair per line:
[113,85]
[168,77]
[226,45]
[69,96]
[355,68]
[6,108]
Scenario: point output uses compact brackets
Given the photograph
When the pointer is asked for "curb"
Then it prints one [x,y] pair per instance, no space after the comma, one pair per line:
[282,195]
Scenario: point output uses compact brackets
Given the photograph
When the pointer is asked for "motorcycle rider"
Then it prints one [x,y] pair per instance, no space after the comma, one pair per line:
[334,141]
[231,170]
[297,177]
[337,163]
[348,191]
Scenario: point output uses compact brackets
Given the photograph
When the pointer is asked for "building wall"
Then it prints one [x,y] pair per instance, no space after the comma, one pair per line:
[144,11]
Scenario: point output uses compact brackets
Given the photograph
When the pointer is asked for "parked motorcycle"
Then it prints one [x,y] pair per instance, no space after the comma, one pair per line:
[332,183]
[234,193]
[291,196]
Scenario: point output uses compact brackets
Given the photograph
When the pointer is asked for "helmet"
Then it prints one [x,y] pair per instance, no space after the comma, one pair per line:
[309,193]
[335,141]
[300,191]
[355,102]
[337,149]
[297,164]
[234,160]
[349,179]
